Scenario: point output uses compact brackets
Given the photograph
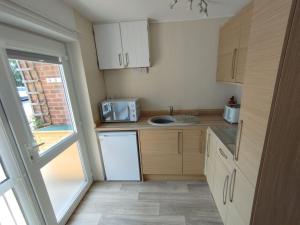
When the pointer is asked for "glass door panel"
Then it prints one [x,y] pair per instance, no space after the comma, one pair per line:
[54,142]
[11,213]
[63,177]
[10,180]
[43,94]
[3,175]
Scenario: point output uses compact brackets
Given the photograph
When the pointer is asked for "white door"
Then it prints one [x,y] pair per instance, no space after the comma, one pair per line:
[38,98]
[109,46]
[17,202]
[135,43]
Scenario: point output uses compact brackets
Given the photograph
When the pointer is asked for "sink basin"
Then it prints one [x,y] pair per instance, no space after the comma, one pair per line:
[173,120]
[161,120]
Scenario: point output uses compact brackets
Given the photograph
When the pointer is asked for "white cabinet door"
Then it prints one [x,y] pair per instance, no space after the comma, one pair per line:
[135,43]
[109,46]
[210,159]
[220,189]
[234,217]
[241,195]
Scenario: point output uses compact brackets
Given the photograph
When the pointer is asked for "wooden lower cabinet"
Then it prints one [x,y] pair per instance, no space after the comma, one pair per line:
[231,190]
[193,151]
[220,188]
[173,152]
[234,217]
[241,195]
[210,159]
[161,151]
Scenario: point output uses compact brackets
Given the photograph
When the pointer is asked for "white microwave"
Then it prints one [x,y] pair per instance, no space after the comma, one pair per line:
[120,110]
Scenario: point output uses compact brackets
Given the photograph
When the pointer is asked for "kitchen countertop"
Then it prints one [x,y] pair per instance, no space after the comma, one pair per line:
[205,120]
[227,136]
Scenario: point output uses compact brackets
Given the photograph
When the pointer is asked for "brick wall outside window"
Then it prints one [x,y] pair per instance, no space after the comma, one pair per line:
[53,90]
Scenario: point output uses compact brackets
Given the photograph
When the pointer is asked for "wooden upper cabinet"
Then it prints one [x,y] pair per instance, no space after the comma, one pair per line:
[193,151]
[122,45]
[233,42]
[245,18]
[230,36]
[161,151]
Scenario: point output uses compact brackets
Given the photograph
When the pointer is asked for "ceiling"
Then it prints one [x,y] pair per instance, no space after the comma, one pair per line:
[156,10]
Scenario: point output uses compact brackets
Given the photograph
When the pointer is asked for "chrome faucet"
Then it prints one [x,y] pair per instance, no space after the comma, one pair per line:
[171,110]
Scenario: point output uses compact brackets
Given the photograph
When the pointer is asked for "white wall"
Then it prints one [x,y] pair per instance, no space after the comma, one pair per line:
[90,88]
[184,59]
[94,77]
[55,10]
[85,111]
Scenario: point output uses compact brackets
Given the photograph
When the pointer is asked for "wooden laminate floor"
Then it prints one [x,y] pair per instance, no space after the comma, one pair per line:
[147,203]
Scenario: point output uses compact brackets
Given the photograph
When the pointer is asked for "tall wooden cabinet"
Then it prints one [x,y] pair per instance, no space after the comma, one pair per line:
[260,65]
[233,45]
[265,49]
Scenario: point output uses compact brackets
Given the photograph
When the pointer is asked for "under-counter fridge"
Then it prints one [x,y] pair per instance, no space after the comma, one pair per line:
[120,155]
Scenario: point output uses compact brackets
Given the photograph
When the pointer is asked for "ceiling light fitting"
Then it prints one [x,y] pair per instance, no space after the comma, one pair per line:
[203,5]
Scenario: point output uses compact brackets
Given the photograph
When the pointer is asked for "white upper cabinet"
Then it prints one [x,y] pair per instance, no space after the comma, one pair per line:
[135,43]
[123,45]
[109,46]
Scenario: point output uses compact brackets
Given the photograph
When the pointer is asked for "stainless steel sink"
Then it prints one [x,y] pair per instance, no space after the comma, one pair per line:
[161,120]
[173,120]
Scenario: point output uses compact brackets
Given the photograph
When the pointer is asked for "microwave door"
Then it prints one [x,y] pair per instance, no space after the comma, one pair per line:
[121,112]
[107,111]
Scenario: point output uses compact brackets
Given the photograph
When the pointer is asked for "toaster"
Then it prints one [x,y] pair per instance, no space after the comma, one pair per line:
[232,113]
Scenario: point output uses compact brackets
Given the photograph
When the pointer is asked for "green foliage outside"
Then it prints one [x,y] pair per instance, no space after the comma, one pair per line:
[37,123]
[16,73]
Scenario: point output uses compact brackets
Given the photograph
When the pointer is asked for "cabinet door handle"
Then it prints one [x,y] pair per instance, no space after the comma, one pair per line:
[179,142]
[120,59]
[225,189]
[231,185]
[127,59]
[201,147]
[223,153]
[233,63]
[208,145]
[238,140]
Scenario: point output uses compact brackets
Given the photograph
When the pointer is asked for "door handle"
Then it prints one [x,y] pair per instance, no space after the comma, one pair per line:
[201,147]
[120,59]
[127,59]
[208,145]
[231,185]
[238,140]
[31,150]
[38,145]
[233,63]
[225,189]
[223,153]
[179,142]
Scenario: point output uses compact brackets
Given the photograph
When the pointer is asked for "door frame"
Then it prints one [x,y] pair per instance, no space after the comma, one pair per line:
[22,40]
[277,197]
[17,176]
